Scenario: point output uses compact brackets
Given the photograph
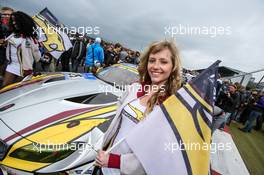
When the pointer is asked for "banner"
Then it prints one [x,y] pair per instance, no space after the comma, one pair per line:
[51,33]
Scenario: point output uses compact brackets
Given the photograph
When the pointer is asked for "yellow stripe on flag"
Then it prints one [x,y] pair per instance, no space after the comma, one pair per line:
[194,144]
[52,36]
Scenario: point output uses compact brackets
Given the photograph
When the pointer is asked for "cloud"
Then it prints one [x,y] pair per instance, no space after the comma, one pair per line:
[137,23]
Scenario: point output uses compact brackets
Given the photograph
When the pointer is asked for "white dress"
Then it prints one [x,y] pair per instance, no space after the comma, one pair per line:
[131,115]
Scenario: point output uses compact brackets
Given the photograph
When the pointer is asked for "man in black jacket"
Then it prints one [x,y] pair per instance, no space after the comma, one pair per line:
[256,112]
[78,53]
[65,60]
[228,102]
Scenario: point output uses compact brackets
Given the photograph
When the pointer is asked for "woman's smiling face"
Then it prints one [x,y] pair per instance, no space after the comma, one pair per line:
[160,66]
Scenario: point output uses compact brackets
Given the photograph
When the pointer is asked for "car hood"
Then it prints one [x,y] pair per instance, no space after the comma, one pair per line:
[45,104]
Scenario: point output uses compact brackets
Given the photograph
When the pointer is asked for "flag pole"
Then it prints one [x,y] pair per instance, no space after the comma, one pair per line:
[115,145]
[107,152]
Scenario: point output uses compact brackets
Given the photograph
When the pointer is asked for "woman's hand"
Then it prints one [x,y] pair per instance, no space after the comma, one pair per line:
[102,159]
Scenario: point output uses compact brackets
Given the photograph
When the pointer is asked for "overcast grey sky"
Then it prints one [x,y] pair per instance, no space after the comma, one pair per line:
[136,23]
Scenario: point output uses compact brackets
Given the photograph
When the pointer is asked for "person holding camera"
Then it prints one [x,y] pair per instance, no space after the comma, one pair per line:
[257,110]
[252,97]
[228,100]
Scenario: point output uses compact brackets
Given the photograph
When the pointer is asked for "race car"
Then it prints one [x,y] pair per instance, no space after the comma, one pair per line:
[55,122]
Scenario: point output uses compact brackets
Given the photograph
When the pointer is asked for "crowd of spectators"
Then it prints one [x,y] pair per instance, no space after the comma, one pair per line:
[239,104]
[21,54]
[86,48]
[89,53]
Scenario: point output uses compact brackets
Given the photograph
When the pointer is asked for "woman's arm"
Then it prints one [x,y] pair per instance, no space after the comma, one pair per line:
[127,163]
[130,165]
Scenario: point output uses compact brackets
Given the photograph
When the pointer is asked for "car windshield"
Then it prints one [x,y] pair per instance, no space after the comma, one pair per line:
[119,75]
[100,98]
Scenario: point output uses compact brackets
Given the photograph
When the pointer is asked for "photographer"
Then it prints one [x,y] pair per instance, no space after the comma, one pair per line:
[243,100]
[249,103]
[228,100]
[222,88]
[256,112]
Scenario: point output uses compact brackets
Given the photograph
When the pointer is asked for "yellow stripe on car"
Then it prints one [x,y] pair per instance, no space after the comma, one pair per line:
[34,78]
[94,113]
[57,134]
[126,67]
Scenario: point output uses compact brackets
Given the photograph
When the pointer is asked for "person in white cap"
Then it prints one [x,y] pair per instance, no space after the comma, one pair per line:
[95,56]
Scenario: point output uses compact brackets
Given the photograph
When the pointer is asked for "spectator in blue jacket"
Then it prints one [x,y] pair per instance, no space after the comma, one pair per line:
[95,56]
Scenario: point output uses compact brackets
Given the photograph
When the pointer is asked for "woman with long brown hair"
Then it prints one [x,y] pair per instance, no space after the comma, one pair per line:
[160,77]
[22,48]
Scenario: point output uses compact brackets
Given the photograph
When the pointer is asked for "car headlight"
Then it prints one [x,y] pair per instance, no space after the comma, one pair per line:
[3,149]
[43,153]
